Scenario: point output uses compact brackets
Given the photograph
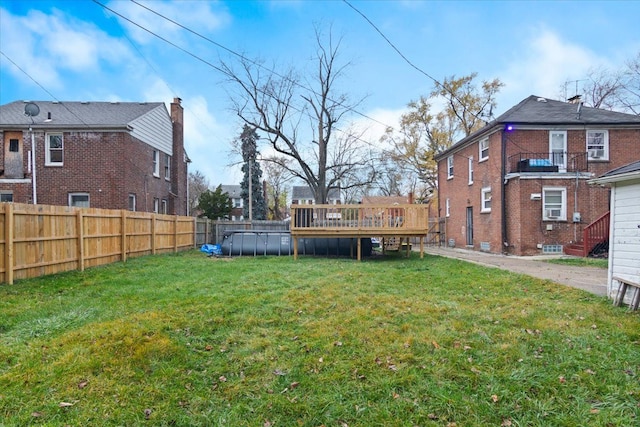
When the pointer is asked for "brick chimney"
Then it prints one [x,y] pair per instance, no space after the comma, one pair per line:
[179,160]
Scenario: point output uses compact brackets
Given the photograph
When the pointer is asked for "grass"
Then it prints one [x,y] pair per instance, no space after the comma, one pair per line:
[186,340]
[582,262]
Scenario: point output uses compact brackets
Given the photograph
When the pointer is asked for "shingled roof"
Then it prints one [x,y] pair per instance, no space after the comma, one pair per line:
[539,111]
[77,114]
[303,192]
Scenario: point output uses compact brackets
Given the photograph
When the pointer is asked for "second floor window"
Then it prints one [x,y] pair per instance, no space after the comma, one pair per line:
[54,149]
[470,170]
[483,149]
[598,144]
[450,167]
[167,167]
[156,163]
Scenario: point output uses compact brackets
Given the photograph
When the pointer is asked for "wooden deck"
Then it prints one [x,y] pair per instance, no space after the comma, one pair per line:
[357,221]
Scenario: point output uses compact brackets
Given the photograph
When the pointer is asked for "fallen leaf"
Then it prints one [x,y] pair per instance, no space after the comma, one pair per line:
[594,411]
[590,372]
[223,378]
[562,379]
[36,414]
[432,416]
[82,384]
[208,348]
[294,385]
[267,424]
[396,395]
[393,367]
[494,397]
[65,404]
[321,360]
[506,423]
[147,413]
[279,372]
[435,344]
[338,343]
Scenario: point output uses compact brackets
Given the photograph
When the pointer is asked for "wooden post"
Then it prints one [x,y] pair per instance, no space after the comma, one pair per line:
[153,234]
[175,235]
[123,235]
[8,243]
[421,246]
[359,249]
[295,247]
[195,232]
[80,233]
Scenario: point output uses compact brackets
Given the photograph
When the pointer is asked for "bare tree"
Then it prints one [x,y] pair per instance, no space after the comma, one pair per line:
[630,94]
[279,105]
[198,184]
[277,176]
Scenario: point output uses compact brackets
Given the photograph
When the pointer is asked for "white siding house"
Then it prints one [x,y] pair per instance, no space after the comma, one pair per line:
[624,240]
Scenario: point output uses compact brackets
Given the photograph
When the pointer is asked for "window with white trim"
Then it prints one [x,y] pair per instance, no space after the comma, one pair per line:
[447,207]
[132,202]
[598,144]
[237,203]
[156,163]
[79,200]
[167,167]
[485,198]
[156,205]
[163,206]
[483,149]
[558,149]
[470,170]
[449,167]
[54,150]
[554,204]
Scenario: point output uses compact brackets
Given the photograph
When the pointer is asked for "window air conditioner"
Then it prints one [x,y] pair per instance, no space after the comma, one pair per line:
[553,213]
[596,153]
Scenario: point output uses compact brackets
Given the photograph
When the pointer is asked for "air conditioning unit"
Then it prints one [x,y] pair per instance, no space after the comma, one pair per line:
[596,153]
[553,213]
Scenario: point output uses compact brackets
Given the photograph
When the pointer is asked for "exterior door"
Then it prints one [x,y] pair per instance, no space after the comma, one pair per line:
[558,149]
[13,166]
[469,226]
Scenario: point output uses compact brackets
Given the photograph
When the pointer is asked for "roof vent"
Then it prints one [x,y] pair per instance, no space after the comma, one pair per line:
[84,102]
[542,99]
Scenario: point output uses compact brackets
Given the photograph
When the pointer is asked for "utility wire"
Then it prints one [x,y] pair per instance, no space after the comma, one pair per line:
[43,88]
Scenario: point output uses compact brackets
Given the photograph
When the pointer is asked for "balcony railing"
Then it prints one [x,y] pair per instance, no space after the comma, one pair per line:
[548,162]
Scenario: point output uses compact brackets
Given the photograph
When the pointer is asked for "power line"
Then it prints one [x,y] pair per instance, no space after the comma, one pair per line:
[43,88]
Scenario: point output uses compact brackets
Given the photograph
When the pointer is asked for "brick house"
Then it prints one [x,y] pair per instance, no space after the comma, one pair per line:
[110,155]
[519,185]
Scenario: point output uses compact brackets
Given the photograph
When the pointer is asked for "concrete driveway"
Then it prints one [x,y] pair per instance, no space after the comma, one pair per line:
[590,279]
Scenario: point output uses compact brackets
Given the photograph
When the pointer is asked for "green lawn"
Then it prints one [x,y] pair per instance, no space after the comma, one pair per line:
[186,340]
[582,262]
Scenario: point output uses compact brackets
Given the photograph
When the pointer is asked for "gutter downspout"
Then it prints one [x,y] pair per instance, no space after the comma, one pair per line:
[503,219]
[33,172]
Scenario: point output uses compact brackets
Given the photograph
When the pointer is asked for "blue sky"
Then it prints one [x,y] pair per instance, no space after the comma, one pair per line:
[76,50]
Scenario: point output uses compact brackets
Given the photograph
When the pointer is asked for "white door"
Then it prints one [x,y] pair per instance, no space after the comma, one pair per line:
[558,149]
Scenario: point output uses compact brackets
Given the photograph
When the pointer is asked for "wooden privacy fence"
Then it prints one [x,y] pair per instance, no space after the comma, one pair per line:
[36,240]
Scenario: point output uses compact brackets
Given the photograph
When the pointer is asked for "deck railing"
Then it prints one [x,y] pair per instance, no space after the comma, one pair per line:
[360,220]
[595,233]
[546,162]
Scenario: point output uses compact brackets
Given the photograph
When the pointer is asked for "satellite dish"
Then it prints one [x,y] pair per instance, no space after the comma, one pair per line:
[31,109]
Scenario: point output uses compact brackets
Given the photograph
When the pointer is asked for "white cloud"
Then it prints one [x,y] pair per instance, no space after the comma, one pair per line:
[196,15]
[45,45]
[544,66]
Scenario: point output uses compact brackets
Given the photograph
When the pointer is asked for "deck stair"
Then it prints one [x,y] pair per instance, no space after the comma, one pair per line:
[595,239]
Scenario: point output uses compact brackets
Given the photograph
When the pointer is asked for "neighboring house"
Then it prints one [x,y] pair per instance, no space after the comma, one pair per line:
[237,203]
[110,155]
[303,195]
[387,200]
[624,240]
[519,184]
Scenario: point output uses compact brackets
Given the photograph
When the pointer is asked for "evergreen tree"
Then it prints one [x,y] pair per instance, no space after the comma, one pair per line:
[252,172]
[215,204]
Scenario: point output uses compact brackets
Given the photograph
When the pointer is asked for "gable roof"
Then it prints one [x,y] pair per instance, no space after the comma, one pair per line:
[303,192]
[78,115]
[623,173]
[232,190]
[538,111]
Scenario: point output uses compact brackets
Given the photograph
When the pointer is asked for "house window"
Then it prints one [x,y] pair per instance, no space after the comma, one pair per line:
[447,207]
[132,202]
[483,149]
[485,197]
[156,205]
[558,149]
[470,170]
[449,167]
[163,206]
[14,145]
[79,200]
[54,149]
[237,203]
[167,167]
[598,144]
[156,163]
[6,196]
[554,204]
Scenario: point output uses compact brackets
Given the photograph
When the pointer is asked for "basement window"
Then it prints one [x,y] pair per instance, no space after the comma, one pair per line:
[551,249]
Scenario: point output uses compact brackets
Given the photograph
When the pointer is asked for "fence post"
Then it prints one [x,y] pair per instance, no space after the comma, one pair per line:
[153,234]
[175,235]
[8,243]
[80,231]
[123,235]
[195,232]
